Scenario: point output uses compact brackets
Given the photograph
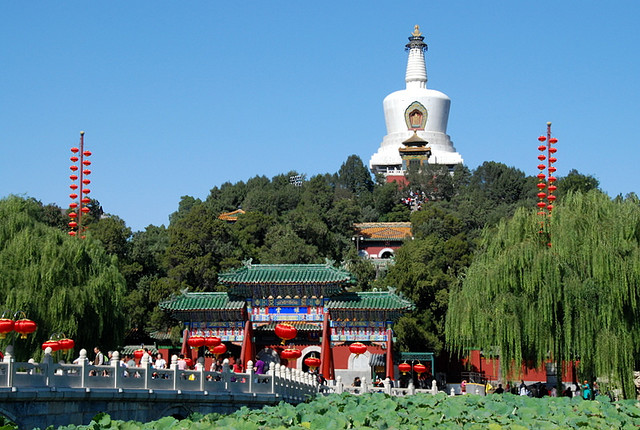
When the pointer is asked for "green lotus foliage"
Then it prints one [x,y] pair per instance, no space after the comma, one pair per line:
[421,411]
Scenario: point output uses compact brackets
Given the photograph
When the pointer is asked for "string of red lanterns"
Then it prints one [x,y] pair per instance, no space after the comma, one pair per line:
[63,343]
[22,326]
[546,180]
[80,200]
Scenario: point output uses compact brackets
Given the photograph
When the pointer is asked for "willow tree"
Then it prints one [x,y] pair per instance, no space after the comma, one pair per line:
[576,300]
[65,284]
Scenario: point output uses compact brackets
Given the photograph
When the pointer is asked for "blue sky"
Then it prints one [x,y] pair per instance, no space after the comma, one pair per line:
[178,97]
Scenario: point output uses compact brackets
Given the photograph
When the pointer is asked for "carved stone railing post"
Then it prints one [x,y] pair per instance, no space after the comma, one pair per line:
[339,386]
[434,387]
[272,372]
[249,372]
[364,386]
[174,367]
[411,388]
[84,372]
[47,362]
[388,386]
[8,358]
[146,365]
[117,373]
[226,374]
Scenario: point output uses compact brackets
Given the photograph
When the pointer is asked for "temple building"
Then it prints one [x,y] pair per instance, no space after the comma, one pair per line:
[312,298]
[380,240]
[416,120]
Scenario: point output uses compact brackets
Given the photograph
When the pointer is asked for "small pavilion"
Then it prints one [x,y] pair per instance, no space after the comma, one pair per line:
[314,298]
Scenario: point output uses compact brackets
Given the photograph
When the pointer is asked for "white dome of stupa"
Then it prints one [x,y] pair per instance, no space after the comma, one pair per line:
[395,105]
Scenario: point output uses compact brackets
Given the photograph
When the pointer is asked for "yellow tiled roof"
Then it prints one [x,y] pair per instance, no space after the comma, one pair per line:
[231,216]
[383,230]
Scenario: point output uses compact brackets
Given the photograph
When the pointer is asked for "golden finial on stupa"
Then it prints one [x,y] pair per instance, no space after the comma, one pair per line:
[416,31]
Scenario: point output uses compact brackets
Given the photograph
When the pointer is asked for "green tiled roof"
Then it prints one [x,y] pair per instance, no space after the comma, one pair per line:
[370,300]
[285,274]
[202,301]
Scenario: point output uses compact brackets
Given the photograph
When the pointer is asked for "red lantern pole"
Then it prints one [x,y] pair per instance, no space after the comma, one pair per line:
[546,180]
[79,191]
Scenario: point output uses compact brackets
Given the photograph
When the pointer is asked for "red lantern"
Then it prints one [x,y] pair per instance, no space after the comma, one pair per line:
[195,341]
[552,188]
[188,362]
[553,140]
[541,185]
[75,150]
[541,166]
[85,210]
[553,150]
[73,186]
[53,344]
[73,215]
[73,196]
[312,362]
[541,204]
[24,327]
[542,157]
[74,159]
[552,159]
[86,171]
[74,168]
[286,332]
[66,344]
[73,177]
[358,348]
[86,200]
[541,176]
[6,326]
[73,224]
[542,138]
[542,148]
[551,197]
[86,191]
[404,368]
[291,354]
[86,163]
[87,153]
[419,368]
[542,195]
[211,341]
[552,169]
[72,233]
[138,353]
[219,349]
[552,178]
[86,181]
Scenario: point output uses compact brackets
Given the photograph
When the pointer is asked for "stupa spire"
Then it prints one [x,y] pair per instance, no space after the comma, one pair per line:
[416,76]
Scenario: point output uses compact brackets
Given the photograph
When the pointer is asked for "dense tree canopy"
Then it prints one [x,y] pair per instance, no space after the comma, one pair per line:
[284,222]
[576,300]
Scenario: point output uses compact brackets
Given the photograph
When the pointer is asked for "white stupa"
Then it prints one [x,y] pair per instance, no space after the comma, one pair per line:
[396,113]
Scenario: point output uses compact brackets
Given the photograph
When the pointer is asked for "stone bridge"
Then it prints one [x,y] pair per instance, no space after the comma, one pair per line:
[48,393]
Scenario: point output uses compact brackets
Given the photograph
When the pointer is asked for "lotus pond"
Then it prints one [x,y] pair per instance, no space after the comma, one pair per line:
[380,411]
